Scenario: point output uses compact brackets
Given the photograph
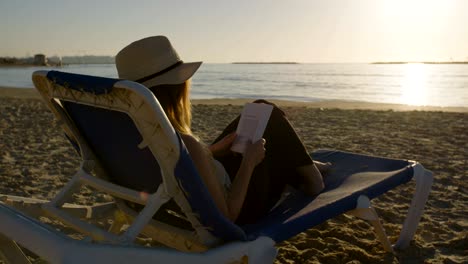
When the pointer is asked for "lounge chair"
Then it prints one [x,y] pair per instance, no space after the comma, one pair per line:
[126,141]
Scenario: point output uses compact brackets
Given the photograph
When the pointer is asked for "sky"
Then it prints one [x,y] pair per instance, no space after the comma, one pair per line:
[221,31]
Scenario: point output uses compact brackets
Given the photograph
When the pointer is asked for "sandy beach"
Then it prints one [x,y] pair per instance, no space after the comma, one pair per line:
[36,161]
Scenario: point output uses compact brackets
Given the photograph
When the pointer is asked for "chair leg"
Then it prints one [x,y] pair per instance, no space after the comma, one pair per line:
[11,252]
[380,233]
[423,180]
[365,211]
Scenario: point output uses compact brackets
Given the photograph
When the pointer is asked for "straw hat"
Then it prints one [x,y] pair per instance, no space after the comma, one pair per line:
[153,61]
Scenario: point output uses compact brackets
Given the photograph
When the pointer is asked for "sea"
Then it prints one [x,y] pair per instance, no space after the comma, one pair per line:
[418,84]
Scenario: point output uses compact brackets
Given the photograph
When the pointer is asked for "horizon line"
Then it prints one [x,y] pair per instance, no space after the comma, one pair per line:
[260,62]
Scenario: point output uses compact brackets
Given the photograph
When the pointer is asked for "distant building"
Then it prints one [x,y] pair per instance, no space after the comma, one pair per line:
[54,61]
[40,59]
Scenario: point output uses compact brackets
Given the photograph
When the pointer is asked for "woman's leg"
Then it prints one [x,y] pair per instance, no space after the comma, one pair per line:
[286,162]
[312,183]
[290,156]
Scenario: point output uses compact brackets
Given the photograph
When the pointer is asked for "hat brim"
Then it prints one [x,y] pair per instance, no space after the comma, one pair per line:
[177,75]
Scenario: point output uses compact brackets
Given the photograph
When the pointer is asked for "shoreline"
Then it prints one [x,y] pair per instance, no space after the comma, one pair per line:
[336,104]
[31,93]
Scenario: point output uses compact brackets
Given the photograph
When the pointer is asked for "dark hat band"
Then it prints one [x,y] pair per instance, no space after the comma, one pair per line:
[149,77]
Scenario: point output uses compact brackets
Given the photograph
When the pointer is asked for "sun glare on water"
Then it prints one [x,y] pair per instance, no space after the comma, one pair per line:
[414,89]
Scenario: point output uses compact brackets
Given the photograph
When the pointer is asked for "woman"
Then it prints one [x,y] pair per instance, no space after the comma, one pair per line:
[243,187]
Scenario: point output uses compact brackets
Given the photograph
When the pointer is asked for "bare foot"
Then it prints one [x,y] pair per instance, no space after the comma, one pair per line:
[322,167]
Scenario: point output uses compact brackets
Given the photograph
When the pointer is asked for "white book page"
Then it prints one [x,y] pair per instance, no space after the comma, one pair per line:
[252,124]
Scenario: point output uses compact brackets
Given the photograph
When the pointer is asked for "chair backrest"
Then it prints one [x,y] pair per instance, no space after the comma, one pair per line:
[132,139]
[114,139]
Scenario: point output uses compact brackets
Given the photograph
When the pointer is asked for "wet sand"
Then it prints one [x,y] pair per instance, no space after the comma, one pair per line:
[36,161]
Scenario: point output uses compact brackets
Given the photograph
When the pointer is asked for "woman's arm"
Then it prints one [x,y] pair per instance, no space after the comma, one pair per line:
[253,155]
[231,206]
[223,146]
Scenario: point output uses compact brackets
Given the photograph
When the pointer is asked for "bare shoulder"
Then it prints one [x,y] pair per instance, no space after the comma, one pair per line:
[192,144]
[189,140]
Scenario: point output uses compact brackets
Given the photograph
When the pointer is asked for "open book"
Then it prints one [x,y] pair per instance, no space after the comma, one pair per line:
[252,124]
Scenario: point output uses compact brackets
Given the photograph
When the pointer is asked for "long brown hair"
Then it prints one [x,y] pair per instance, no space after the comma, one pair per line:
[174,99]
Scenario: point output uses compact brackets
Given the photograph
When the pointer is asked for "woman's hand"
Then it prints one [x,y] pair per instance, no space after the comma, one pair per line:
[255,153]
[223,146]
